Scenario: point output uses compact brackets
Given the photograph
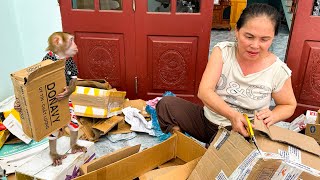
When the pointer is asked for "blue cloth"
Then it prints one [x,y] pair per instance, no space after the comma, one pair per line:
[154,118]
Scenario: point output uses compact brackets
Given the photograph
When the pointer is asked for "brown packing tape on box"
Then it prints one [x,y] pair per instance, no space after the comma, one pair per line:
[85,100]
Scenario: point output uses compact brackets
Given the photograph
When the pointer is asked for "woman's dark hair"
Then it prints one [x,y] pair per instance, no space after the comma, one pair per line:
[259,9]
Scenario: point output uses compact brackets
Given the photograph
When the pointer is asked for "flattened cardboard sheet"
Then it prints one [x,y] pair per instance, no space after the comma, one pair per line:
[290,137]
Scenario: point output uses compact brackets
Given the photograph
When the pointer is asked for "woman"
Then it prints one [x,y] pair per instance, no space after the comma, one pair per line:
[240,77]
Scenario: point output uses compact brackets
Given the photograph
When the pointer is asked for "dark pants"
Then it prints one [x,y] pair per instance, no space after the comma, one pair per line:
[174,111]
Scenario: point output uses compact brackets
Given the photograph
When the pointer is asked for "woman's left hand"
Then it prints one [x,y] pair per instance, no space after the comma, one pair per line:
[266,116]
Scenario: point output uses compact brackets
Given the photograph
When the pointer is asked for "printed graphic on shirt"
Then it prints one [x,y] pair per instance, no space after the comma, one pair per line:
[234,89]
[255,92]
[222,82]
[258,92]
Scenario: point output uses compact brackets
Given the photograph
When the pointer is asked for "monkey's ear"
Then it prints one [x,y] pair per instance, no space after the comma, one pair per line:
[57,40]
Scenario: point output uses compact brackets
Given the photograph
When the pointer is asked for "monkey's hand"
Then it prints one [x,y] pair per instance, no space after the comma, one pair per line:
[68,90]
[17,106]
[64,94]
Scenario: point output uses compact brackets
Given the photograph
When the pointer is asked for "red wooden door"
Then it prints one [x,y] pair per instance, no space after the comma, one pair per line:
[141,51]
[172,48]
[303,57]
[104,33]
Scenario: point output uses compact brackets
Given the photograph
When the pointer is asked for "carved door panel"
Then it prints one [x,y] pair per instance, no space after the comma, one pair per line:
[172,48]
[145,47]
[104,33]
[303,57]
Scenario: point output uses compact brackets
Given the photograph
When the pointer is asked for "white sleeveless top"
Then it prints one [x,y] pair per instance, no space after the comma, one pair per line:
[246,93]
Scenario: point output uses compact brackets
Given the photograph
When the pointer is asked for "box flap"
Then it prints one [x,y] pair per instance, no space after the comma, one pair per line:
[123,128]
[105,125]
[268,145]
[109,159]
[45,69]
[24,73]
[173,162]
[151,175]
[290,137]
[227,147]
[181,172]
[136,103]
[137,164]
[187,148]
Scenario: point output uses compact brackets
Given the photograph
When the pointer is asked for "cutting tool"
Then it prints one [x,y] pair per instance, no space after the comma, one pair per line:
[251,133]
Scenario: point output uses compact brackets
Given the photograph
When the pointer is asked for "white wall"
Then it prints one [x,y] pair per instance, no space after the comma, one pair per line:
[25,27]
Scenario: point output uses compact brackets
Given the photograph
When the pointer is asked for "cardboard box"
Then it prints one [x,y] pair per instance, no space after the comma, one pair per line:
[103,126]
[93,128]
[313,130]
[121,128]
[95,83]
[97,103]
[108,159]
[139,104]
[231,156]
[40,166]
[177,146]
[36,88]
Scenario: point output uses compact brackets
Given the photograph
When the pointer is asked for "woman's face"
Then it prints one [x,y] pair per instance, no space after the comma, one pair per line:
[254,38]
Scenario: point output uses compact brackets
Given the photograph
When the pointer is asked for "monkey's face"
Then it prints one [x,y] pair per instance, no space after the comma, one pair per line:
[71,48]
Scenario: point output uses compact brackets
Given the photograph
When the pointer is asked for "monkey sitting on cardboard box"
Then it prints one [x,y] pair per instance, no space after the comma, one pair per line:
[61,45]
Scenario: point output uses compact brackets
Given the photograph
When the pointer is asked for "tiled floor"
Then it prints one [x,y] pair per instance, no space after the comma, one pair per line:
[105,146]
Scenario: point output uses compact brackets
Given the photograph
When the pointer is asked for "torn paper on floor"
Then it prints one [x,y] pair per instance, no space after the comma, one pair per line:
[137,121]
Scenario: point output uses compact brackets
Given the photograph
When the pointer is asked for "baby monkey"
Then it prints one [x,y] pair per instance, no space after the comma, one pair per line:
[61,45]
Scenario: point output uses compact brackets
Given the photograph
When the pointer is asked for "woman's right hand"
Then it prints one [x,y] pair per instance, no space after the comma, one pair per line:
[239,124]
[17,106]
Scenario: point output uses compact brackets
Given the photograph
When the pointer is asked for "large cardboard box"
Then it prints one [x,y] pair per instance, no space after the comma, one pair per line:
[178,146]
[109,159]
[40,166]
[36,88]
[97,103]
[285,155]
[313,130]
